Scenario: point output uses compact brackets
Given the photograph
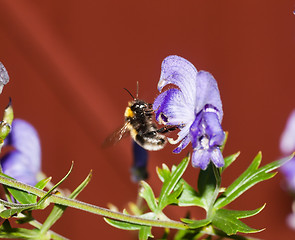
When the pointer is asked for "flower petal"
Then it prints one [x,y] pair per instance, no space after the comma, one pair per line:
[180,72]
[172,105]
[287,143]
[207,93]
[18,166]
[186,140]
[201,158]
[181,134]
[213,129]
[140,159]
[217,158]
[24,138]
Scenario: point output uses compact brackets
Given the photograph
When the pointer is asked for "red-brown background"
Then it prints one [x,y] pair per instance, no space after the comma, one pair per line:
[69,61]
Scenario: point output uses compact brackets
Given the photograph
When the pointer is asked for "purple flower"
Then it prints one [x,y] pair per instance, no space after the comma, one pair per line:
[287,146]
[195,107]
[24,161]
[287,143]
[140,160]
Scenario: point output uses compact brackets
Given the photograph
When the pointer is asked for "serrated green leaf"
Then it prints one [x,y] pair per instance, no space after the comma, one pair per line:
[227,221]
[173,197]
[145,232]
[189,197]
[170,183]
[229,160]
[147,193]
[247,179]
[196,223]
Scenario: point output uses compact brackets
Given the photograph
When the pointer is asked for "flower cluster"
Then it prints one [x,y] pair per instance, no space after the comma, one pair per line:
[24,161]
[194,105]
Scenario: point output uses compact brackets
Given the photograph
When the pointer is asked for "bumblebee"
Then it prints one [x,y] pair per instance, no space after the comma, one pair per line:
[139,122]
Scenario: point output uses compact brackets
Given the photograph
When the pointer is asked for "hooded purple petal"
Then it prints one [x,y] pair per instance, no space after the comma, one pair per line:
[180,72]
[208,93]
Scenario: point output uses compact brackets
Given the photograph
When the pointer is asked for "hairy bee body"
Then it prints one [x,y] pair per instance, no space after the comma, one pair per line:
[139,119]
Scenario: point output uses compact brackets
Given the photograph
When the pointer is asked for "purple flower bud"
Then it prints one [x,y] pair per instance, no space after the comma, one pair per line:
[24,161]
[4,78]
[195,107]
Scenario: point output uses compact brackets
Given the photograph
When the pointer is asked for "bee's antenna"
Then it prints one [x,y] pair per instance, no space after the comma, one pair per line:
[130,93]
[137,87]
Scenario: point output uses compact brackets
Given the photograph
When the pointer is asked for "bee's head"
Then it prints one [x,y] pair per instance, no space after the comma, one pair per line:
[137,105]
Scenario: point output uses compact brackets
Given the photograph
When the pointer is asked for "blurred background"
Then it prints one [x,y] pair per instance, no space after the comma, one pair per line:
[69,61]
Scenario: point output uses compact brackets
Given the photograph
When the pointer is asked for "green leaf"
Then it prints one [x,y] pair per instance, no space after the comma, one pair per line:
[58,210]
[207,185]
[163,173]
[247,179]
[6,231]
[196,223]
[188,234]
[229,160]
[42,199]
[170,183]
[147,193]
[19,195]
[40,185]
[122,225]
[224,142]
[189,197]
[227,221]
[145,232]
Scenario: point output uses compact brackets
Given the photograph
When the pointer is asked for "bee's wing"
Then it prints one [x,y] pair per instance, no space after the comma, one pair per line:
[116,136]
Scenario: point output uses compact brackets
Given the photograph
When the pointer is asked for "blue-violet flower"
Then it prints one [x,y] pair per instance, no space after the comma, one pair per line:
[287,146]
[195,107]
[24,161]
[140,160]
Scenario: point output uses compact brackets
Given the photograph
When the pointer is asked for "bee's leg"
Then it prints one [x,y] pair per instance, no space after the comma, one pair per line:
[167,129]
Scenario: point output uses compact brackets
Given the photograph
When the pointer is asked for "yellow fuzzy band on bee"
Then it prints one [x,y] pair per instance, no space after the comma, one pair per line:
[133,133]
[128,113]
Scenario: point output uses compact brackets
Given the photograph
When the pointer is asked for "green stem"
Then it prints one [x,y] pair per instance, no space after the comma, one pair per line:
[216,191]
[91,208]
